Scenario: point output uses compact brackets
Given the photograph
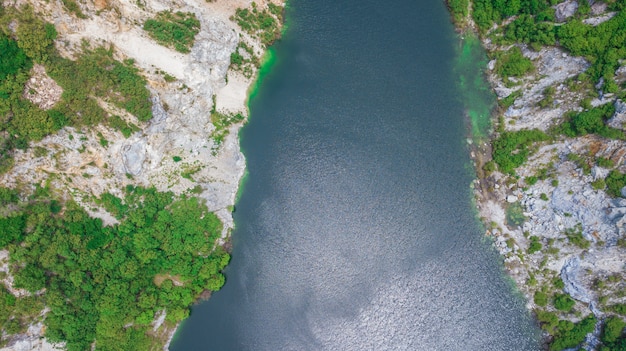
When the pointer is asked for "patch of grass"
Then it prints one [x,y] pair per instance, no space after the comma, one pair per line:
[176,30]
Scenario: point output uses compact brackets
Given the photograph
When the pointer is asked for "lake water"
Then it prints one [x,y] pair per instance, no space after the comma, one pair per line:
[355,227]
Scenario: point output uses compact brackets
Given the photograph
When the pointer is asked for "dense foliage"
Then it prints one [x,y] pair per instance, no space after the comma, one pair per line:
[603,45]
[615,182]
[511,149]
[613,334]
[107,283]
[12,58]
[175,30]
[591,121]
[526,29]
[458,9]
[488,12]
[569,334]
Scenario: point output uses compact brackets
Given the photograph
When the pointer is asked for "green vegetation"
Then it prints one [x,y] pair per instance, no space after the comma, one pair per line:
[535,245]
[73,7]
[222,121]
[175,30]
[263,24]
[580,161]
[612,333]
[548,97]
[569,334]
[591,122]
[512,64]
[488,12]
[245,63]
[458,9]
[603,45]
[615,181]
[107,283]
[13,59]
[510,149]
[16,313]
[541,298]
[177,158]
[598,184]
[575,236]
[526,30]
[563,302]
[605,162]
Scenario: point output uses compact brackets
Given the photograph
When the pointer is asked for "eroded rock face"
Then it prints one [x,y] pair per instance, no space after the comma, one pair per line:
[565,10]
[134,155]
[619,117]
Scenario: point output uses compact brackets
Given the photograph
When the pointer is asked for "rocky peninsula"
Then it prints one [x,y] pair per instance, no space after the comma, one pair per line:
[185,145]
[551,184]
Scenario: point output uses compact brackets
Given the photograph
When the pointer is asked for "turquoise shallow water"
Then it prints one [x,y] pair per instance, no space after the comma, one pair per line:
[355,228]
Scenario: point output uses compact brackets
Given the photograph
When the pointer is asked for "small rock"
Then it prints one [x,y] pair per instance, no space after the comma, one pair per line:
[623,191]
[511,199]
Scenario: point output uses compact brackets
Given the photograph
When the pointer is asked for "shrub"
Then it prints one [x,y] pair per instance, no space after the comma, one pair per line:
[563,302]
[512,63]
[175,30]
[605,162]
[615,181]
[598,184]
[534,246]
[12,58]
[613,329]
[531,180]
[592,122]
[541,299]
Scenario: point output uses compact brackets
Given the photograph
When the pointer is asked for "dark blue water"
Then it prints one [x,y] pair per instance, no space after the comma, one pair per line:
[355,229]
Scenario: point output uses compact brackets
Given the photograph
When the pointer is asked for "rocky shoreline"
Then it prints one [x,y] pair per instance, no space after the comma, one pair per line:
[181,149]
[559,231]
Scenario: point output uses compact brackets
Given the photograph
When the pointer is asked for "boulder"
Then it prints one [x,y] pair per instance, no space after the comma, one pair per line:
[565,10]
